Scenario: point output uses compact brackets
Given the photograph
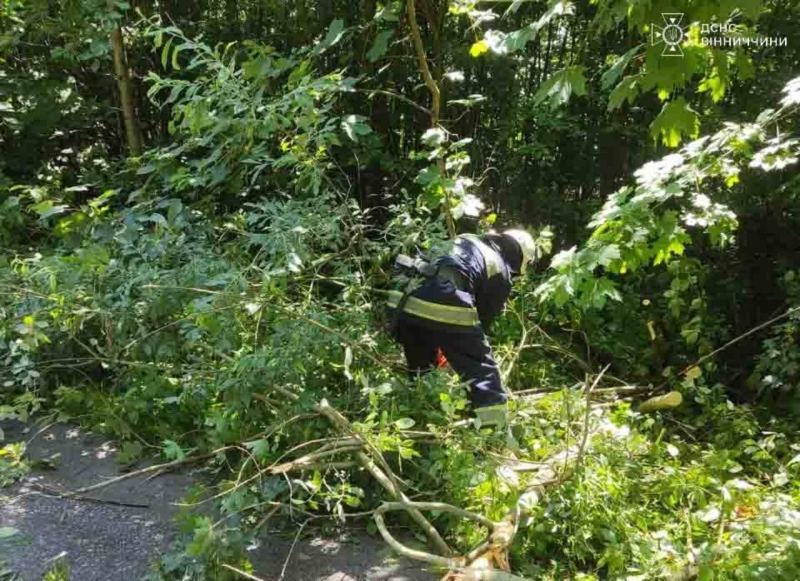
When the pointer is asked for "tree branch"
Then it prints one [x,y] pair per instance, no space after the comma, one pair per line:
[423,62]
[436,98]
[397,96]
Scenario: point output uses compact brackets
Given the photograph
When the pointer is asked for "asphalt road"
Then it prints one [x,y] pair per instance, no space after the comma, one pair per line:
[108,542]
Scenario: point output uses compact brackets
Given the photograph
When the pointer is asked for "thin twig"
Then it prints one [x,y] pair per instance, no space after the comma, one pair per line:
[51,493]
[266,518]
[304,461]
[50,425]
[415,514]
[394,96]
[734,341]
[327,466]
[187,460]
[343,424]
[518,351]
[285,310]
[244,574]
[439,507]
[423,62]
[291,549]
[585,437]
[447,562]
[154,468]
[383,474]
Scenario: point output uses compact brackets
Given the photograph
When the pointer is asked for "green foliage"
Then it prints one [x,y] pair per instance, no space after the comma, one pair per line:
[778,365]
[558,88]
[13,464]
[650,504]
[242,120]
[646,224]
[58,571]
[675,120]
[380,45]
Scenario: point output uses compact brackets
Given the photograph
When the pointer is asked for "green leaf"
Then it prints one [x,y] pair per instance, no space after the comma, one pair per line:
[379,46]
[694,373]
[46,209]
[514,7]
[608,254]
[561,85]
[611,75]
[564,258]
[434,137]
[750,9]
[675,121]
[744,64]
[130,452]
[405,423]
[157,218]
[260,448]
[517,39]
[626,90]
[714,85]
[690,336]
[7,532]
[175,64]
[388,13]
[165,53]
[709,515]
[175,208]
[461,143]
[478,48]
[335,33]
[469,101]
[353,126]
[173,451]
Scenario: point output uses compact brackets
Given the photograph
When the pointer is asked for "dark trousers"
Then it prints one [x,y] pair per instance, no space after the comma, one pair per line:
[469,354]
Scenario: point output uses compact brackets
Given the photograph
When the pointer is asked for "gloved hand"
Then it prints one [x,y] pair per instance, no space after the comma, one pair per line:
[493,416]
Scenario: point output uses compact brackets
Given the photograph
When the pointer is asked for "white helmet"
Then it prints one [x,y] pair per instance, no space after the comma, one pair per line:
[526,244]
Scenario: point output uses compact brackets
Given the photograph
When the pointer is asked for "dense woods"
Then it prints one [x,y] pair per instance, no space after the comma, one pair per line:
[200,206]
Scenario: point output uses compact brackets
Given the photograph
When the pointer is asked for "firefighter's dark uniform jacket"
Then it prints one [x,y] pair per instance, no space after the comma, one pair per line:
[451,310]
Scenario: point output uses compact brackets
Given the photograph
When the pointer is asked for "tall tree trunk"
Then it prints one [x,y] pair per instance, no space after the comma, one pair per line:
[436,97]
[134,138]
[546,70]
[232,16]
[368,8]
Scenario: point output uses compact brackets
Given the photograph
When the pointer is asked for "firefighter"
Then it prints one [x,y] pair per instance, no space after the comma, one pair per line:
[451,311]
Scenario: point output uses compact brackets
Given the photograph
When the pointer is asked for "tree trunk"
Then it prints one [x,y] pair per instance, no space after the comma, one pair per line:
[134,138]
[232,16]
[546,69]
[368,8]
[436,96]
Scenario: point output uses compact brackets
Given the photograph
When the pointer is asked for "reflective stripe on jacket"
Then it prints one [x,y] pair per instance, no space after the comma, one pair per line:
[445,314]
